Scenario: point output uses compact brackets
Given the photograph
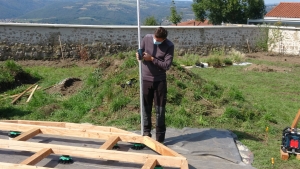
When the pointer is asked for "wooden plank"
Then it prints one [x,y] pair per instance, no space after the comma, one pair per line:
[37,157]
[184,164]
[108,145]
[83,152]
[20,95]
[158,147]
[31,94]
[82,133]
[296,120]
[28,135]
[68,125]
[149,164]
[20,166]
[95,134]
[283,155]
[42,123]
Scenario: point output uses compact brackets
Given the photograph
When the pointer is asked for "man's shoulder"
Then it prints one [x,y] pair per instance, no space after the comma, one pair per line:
[148,36]
[170,43]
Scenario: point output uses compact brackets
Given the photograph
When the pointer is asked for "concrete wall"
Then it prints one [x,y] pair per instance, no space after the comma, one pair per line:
[51,41]
[284,40]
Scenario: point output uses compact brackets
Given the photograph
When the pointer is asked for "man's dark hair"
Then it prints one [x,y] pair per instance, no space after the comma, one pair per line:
[161,32]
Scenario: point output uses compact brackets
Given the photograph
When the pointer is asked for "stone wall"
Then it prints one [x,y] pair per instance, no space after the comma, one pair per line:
[284,40]
[53,41]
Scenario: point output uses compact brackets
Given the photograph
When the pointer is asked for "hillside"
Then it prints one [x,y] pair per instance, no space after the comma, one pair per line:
[105,12]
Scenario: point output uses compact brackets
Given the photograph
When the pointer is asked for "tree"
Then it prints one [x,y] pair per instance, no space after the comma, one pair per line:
[150,21]
[257,9]
[231,11]
[175,18]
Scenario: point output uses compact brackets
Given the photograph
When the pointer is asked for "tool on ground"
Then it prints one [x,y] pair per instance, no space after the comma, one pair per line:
[13,134]
[116,147]
[65,159]
[138,146]
[158,167]
[290,140]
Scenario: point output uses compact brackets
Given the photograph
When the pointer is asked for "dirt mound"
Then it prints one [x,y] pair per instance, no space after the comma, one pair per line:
[265,68]
[66,87]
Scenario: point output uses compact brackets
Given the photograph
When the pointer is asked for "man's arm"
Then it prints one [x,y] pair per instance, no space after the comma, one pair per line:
[163,64]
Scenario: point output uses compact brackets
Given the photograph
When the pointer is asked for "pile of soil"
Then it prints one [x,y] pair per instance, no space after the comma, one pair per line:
[66,87]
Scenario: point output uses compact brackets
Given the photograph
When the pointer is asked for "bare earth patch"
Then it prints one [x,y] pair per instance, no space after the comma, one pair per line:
[264,68]
[67,87]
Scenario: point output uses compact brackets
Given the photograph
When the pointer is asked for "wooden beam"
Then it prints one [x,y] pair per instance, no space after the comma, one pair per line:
[139,158]
[296,120]
[283,155]
[31,94]
[20,95]
[158,147]
[28,135]
[108,145]
[82,133]
[94,134]
[42,123]
[37,157]
[149,164]
[68,125]
[20,166]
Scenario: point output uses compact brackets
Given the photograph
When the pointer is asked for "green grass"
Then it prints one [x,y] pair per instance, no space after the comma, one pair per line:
[245,102]
[274,94]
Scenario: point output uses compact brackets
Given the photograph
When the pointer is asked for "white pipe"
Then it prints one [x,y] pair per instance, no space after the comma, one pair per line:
[140,68]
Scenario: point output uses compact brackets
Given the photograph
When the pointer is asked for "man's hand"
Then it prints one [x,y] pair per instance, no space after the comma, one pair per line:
[147,57]
[137,56]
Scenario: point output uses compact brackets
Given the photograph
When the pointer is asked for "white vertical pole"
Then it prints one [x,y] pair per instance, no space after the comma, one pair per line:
[140,68]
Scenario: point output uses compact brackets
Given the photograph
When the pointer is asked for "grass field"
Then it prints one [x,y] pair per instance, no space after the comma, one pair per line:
[245,102]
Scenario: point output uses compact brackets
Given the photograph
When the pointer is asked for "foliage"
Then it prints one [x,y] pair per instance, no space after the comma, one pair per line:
[271,35]
[175,18]
[150,21]
[12,75]
[228,11]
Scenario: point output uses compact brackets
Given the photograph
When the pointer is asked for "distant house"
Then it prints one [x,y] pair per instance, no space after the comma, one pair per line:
[194,23]
[286,13]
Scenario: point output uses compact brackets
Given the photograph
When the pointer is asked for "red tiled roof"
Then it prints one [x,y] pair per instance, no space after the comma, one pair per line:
[285,10]
[194,23]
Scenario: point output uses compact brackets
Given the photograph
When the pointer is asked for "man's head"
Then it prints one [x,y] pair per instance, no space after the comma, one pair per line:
[160,34]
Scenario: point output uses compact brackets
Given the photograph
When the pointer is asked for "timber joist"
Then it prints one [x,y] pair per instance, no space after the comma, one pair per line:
[167,157]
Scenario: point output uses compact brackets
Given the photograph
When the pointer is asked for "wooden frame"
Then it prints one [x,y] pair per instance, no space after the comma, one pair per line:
[29,129]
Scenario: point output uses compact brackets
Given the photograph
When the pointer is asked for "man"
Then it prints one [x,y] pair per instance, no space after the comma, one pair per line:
[157,59]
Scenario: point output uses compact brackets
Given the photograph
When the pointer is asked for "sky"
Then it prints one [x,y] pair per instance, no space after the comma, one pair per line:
[266,1]
[278,1]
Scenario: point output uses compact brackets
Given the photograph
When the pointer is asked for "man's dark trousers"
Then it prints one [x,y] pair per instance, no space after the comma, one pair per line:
[155,91]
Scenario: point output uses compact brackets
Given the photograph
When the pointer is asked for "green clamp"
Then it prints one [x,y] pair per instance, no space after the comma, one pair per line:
[13,134]
[116,147]
[138,146]
[65,159]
